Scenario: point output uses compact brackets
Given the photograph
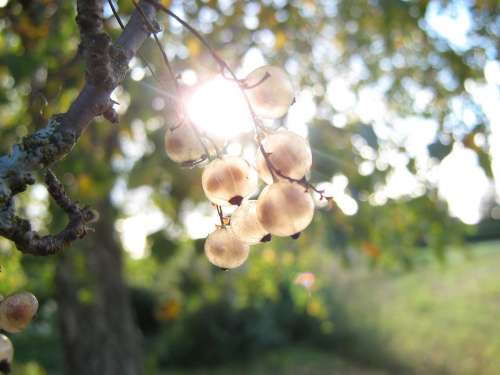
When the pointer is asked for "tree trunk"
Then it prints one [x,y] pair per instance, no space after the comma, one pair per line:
[96,321]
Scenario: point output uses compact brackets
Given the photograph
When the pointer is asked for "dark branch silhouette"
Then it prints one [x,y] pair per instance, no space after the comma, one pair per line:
[107,65]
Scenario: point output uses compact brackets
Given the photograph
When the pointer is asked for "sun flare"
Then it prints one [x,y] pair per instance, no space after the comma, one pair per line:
[218,108]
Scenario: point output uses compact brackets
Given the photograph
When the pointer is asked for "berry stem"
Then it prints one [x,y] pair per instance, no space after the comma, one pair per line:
[221,215]
[224,67]
[122,26]
[174,78]
[248,87]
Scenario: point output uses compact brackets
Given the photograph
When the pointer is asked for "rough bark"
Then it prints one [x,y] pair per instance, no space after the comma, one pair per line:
[106,68]
[95,317]
[97,326]
[96,323]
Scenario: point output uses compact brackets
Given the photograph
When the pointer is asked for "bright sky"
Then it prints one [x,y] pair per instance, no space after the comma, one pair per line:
[460,180]
[218,108]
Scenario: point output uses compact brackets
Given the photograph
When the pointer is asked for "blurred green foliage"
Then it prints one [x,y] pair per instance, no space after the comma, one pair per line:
[189,312]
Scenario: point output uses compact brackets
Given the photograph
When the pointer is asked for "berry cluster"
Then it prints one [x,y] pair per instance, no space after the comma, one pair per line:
[16,312]
[285,206]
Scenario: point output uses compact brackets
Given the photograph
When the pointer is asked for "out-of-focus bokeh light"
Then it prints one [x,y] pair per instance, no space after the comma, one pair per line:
[337,189]
[306,279]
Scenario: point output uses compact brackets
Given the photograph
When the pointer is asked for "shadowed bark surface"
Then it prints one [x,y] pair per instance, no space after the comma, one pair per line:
[97,327]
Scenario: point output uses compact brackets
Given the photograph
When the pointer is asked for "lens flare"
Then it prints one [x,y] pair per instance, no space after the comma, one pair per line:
[218,108]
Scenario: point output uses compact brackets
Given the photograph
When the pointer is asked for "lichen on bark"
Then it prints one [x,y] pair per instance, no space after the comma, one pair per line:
[107,65]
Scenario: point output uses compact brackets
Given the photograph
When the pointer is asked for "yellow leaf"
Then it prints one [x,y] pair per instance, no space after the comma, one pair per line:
[30,30]
[280,40]
[84,183]
[370,249]
[168,311]
[193,46]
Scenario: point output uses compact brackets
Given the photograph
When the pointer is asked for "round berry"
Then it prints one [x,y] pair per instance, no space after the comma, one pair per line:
[183,145]
[228,180]
[6,352]
[224,250]
[288,152]
[245,225]
[285,209]
[270,91]
[17,311]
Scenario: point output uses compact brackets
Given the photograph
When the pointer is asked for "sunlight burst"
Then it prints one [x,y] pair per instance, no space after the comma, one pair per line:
[218,108]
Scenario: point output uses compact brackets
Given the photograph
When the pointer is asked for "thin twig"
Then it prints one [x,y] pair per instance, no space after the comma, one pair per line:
[152,30]
[259,82]
[176,86]
[243,86]
[122,26]
[200,37]
[224,66]
[221,215]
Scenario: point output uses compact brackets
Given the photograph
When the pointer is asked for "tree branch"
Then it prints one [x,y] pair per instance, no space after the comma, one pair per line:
[96,43]
[50,144]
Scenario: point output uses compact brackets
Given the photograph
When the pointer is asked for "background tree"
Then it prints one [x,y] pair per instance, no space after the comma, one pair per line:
[341,55]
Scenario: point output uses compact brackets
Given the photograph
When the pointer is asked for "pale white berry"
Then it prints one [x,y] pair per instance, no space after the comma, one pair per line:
[224,250]
[245,225]
[288,152]
[228,180]
[270,91]
[183,145]
[17,311]
[6,351]
[285,209]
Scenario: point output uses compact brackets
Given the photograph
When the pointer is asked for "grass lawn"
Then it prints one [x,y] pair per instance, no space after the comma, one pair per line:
[437,319]
[296,361]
